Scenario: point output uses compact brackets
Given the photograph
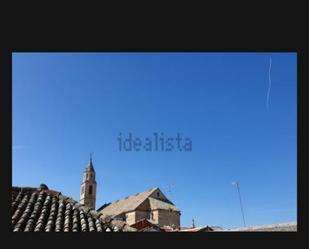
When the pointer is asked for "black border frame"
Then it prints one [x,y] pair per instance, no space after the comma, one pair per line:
[217,40]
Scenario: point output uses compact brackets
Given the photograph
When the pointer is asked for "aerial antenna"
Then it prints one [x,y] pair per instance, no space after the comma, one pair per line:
[236,183]
[169,189]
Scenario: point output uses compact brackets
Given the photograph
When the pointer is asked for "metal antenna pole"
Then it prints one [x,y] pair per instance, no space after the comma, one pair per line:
[241,207]
[169,186]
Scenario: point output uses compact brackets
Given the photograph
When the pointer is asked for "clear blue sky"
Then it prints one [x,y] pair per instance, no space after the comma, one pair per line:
[66,105]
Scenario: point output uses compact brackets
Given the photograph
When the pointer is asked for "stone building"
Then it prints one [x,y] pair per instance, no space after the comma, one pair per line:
[88,187]
[44,210]
[151,204]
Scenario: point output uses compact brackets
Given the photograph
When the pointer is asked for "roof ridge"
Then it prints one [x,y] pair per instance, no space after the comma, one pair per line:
[91,220]
[151,190]
[32,189]
[127,204]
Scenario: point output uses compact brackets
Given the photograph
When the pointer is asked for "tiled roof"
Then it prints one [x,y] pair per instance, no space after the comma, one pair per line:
[132,202]
[127,204]
[44,210]
[282,227]
[197,229]
[144,225]
[159,204]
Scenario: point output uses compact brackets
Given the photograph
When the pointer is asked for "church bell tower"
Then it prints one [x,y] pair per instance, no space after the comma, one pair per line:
[89,186]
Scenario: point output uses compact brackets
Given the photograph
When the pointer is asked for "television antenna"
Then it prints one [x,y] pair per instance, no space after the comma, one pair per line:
[168,188]
[236,183]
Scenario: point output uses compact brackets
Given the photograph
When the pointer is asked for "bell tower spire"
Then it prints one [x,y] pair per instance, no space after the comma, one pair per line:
[88,186]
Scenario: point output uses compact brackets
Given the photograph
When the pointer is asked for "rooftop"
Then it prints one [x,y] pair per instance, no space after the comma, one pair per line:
[156,199]
[44,210]
[280,227]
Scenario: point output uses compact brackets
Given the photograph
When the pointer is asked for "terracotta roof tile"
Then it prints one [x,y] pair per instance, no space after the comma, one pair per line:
[44,210]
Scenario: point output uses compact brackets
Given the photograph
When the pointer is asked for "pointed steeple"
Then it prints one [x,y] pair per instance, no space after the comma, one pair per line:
[88,186]
[90,165]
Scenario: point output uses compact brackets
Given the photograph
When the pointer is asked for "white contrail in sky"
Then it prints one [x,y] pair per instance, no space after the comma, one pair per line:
[269,84]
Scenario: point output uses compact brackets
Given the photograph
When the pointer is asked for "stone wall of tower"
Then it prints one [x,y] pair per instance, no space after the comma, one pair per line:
[88,187]
[86,198]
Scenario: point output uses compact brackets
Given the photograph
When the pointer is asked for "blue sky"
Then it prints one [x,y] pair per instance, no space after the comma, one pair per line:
[66,105]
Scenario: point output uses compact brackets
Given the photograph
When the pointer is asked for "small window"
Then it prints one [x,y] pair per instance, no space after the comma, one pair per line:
[90,190]
[158,194]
